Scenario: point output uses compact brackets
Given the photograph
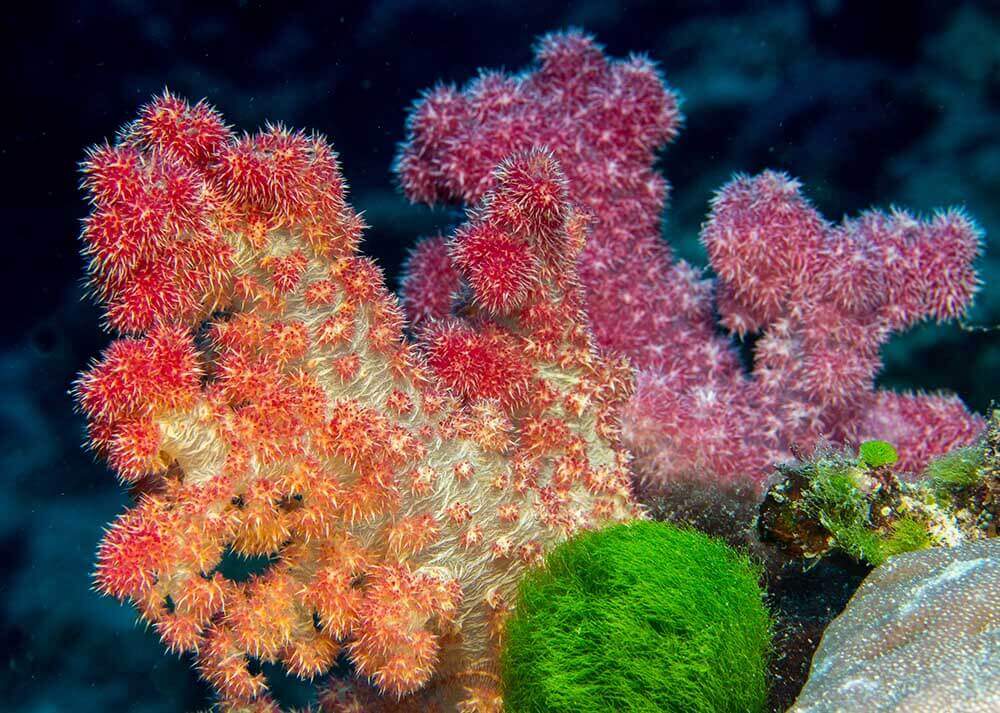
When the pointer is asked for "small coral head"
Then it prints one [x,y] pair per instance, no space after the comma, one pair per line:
[478,364]
[195,135]
[758,234]
[169,198]
[531,195]
[521,235]
[499,265]
[430,283]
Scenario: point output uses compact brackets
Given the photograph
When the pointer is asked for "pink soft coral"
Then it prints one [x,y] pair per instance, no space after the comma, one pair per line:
[821,299]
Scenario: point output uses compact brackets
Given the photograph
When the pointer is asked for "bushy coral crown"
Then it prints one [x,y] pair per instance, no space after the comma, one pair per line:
[264,403]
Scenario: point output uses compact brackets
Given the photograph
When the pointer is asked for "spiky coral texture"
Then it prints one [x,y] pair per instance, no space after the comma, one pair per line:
[821,299]
[266,405]
[603,122]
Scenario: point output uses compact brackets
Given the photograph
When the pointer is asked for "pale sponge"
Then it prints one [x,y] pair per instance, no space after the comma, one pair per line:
[922,634]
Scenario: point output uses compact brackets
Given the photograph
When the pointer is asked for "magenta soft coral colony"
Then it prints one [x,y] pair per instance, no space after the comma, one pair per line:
[823,298]
[264,401]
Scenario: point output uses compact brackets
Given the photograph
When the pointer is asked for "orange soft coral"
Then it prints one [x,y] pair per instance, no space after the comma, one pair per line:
[265,404]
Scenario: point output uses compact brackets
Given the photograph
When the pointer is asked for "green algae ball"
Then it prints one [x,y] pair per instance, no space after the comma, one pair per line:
[877,453]
[638,617]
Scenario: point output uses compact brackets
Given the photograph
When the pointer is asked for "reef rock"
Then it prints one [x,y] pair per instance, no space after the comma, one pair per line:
[922,633]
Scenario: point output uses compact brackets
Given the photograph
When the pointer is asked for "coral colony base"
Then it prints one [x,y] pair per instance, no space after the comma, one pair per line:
[262,401]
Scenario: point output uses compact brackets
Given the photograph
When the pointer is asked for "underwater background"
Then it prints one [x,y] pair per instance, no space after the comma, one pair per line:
[867,103]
